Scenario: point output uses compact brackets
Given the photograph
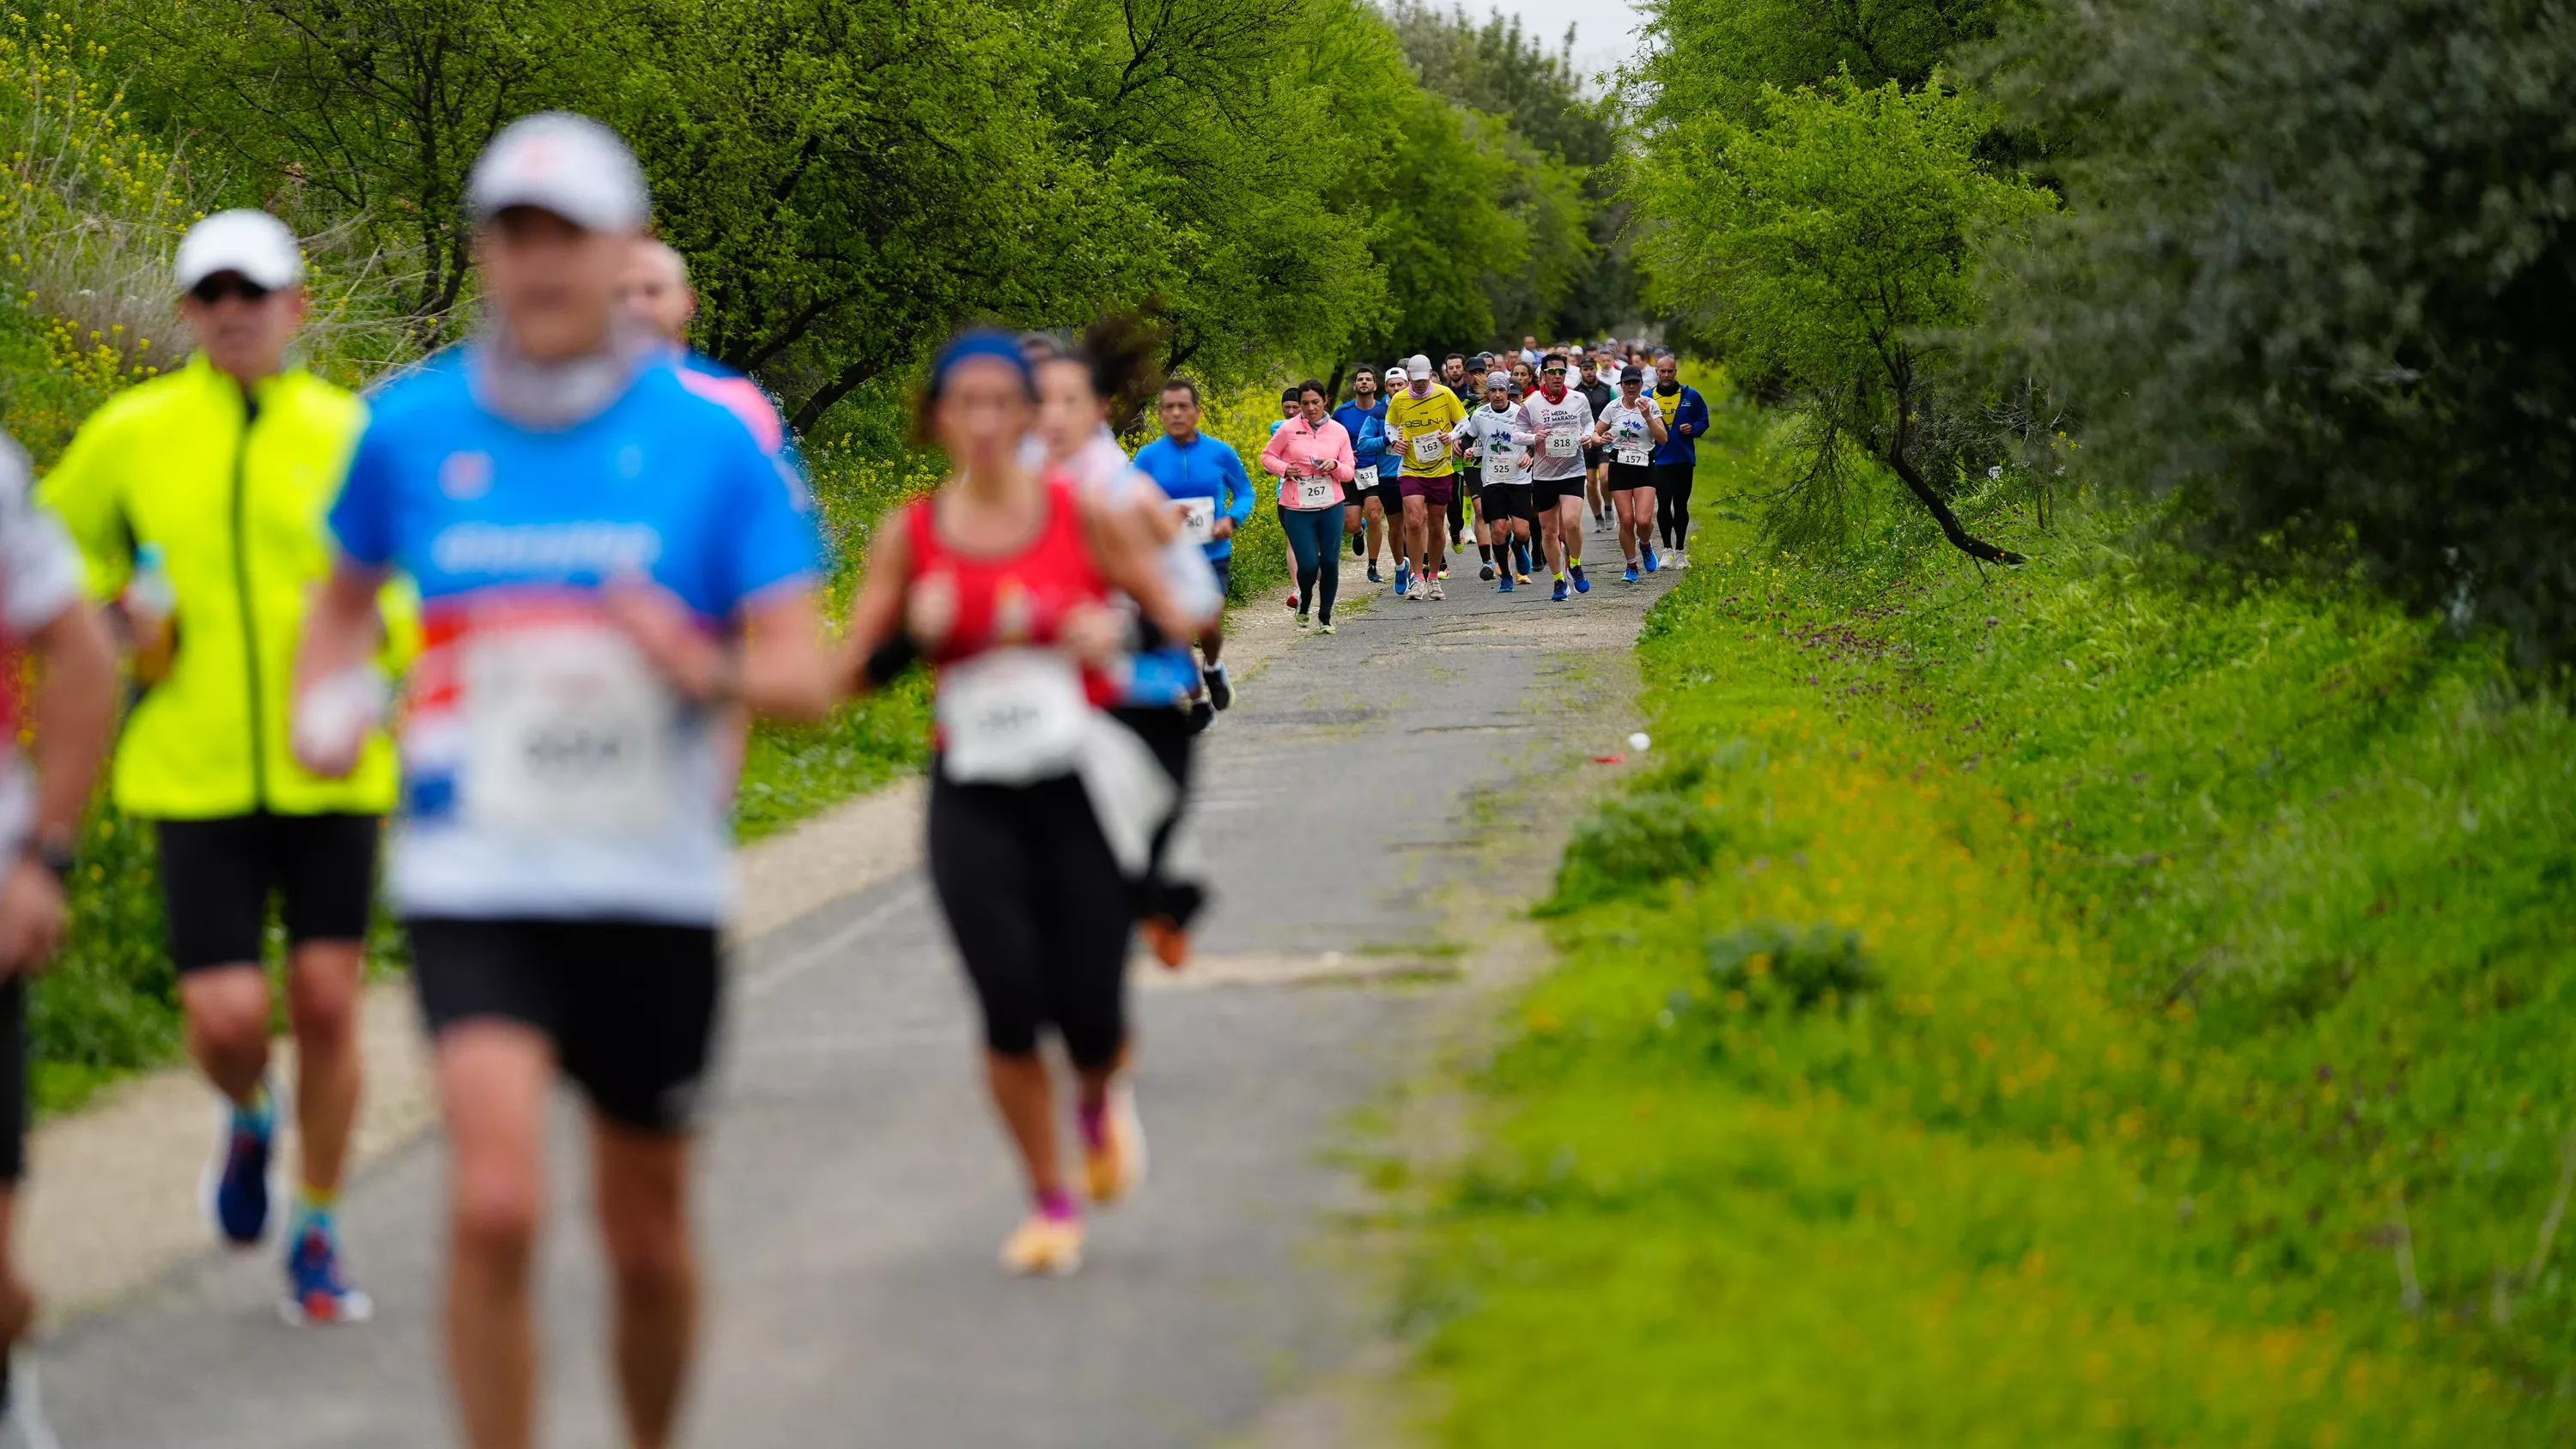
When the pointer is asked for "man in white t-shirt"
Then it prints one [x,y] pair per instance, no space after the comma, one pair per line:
[1559,419]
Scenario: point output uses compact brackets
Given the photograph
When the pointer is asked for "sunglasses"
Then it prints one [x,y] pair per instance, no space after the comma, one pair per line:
[228,284]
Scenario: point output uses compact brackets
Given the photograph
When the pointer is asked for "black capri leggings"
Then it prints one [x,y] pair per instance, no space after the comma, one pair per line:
[1038,910]
[1167,733]
[1672,503]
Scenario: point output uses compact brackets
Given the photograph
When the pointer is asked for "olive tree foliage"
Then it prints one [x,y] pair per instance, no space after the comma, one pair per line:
[2316,286]
[849,179]
[1830,241]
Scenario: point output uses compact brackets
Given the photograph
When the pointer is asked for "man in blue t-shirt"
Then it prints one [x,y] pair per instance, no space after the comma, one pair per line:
[1364,418]
[1206,478]
[609,561]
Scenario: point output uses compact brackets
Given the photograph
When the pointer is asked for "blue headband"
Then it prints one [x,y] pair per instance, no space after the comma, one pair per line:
[980,342]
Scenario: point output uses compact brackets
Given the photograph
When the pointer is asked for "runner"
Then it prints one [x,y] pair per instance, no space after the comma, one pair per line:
[198,497]
[1311,457]
[1598,391]
[1454,376]
[607,558]
[1677,457]
[1190,467]
[654,286]
[1499,438]
[1390,484]
[1364,418]
[43,614]
[1040,807]
[1560,419]
[1111,374]
[1418,423]
[1629,431]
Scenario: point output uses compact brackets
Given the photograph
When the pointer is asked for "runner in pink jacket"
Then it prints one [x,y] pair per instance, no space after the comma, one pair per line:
[1311,457]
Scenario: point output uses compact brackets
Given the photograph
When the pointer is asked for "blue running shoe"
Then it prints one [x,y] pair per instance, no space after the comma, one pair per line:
[1582,585]
[1651,564]
[316,1291]
[1631,574]
[1506,586]
[1403,578]
[237,1195]
[1559,596]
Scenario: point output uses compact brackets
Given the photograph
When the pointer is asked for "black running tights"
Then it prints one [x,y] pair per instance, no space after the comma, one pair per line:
[1038,910]
[1672,503]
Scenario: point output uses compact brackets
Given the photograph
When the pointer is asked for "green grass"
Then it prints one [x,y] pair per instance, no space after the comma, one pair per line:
[2035,1009]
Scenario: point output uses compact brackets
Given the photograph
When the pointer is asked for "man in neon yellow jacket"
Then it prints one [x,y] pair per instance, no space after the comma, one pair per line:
[197,500]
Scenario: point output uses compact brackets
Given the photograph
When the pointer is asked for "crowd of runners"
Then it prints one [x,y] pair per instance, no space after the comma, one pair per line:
[504,622]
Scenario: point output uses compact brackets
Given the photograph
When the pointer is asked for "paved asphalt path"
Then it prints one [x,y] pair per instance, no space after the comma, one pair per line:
[854,1186]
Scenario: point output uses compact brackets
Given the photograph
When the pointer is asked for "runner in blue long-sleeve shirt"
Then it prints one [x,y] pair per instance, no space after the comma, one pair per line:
[1676,457]
[1205,476]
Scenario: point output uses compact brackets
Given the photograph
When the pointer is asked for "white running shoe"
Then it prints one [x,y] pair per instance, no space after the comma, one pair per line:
[1437,591]
[1421,588]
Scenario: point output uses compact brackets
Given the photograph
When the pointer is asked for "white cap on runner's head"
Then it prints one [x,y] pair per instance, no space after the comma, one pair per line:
[1417,366]
[253,243]
[570,165]
[1395,373]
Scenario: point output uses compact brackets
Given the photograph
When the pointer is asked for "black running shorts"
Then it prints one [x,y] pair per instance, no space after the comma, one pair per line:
[1545,493]
[1624,476]
[216,877]
[1502,502]
[630,1006]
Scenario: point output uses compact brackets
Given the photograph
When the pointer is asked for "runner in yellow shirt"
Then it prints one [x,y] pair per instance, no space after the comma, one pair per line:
[1420,420]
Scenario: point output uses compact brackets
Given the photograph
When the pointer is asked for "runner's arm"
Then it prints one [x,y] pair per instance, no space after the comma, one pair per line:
[1655,423]
[1274,457]
[1238,484]
[1345,462]
[1129,567]
[876,613]
[341,632]
[71,712]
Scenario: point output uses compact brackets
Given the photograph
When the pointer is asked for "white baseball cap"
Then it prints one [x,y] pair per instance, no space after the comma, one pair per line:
[1395,373]
[570,165]
[1417,366]
[253,243]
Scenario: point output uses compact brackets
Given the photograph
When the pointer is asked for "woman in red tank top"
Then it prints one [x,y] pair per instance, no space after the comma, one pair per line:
[1001,579]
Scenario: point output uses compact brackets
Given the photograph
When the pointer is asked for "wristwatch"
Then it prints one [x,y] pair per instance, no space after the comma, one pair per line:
[57,854]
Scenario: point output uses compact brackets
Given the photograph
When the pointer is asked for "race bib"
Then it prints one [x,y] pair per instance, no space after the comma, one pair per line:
[1314,493]
[570,732]
[1633,457]
[1428,448]
[1560,445]
[1198,519]
[1010,716]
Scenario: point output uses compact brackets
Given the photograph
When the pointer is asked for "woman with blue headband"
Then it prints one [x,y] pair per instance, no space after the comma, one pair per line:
[1042,808]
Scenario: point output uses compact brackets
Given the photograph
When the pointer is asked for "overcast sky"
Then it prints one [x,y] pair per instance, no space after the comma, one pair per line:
[1601,27]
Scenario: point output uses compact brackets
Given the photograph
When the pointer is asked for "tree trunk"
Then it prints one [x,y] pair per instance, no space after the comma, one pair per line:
[1967,543]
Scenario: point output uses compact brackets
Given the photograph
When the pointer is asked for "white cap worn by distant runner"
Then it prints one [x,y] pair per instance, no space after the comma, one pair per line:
[570,165]
[253,243]
[1395,374]
[1417,366]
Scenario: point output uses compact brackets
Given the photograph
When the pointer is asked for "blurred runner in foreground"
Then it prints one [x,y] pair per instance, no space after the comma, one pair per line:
[608,559]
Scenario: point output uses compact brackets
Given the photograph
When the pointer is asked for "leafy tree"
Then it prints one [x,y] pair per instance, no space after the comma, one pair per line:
[2317,285]
[1718,54]
[1832,242]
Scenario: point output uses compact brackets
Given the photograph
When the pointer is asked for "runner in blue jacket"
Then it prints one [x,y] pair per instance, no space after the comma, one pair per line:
[1676,457]
[1364,418]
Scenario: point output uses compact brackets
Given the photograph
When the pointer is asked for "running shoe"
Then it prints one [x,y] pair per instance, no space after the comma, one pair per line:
[1506,586]
[1358,545]
[1421,589]
[1444,574]
[1520,575]
[237,1187]
[1582,585]
[1373,578]
[1220,689]
[1649,551]
[1304,620]
[1677,560]
[1044,1245]
[1202,714]
[1559,596]
[1113,1148]
[1631,574]
[1486,572]
[1328,628]
[1437,591]
[1403,579]
[316,1291]
[1167,938]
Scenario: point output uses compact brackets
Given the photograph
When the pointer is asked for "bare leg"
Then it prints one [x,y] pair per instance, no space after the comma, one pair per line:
[1026,1100]
[1417,533]
[643,1189]
[322,1005]
[492,1078]
[227,1026]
